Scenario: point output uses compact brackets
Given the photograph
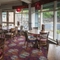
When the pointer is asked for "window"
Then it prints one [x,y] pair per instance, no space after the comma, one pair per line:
[48,21]
[4,16]
[23,18]
[7,20]
[37,19]
[58,24]
[4,25]
[11,17]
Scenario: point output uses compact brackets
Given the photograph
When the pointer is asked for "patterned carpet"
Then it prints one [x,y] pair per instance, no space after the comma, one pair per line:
[14,49]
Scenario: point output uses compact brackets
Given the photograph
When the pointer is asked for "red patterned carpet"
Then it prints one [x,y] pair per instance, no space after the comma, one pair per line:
[14,49]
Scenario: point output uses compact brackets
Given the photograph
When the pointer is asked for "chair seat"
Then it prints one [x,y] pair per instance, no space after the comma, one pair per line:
[31,40]
[43,40]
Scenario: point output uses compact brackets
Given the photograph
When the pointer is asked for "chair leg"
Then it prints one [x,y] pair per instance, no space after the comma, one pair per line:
[26,44]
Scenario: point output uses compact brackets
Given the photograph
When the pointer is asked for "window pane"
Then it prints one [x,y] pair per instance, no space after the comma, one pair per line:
[4,26]
[11,26]
[48,21]
[4,16]
[22,18]
[11,16]
[37,19]
[17,18]
[25,20]
[58,25]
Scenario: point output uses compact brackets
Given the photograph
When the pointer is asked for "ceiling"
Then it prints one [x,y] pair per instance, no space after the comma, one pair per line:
[4,3]
[9,3]
[12,1]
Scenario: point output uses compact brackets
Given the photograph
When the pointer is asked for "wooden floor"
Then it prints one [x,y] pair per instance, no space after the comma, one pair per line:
[54,52]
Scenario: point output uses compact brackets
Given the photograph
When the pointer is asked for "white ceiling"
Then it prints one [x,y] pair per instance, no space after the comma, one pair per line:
[7,4]
[7,1]
[11,1]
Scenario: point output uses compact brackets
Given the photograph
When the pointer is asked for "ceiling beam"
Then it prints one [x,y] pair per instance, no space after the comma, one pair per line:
[26,1]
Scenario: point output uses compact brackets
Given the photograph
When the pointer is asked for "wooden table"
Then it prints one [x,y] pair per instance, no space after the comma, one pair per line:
[34,32]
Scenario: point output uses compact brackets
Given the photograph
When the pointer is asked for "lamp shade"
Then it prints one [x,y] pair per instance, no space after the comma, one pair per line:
[37,5]
[18,9]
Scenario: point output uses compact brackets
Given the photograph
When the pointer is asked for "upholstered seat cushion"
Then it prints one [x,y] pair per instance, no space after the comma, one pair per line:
[43,40]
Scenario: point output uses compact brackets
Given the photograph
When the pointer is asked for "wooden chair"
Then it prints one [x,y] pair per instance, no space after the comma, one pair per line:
[30,39]
[43,41]
[2,49]
[21,31]
[16,31]
[12,30]
[1,32]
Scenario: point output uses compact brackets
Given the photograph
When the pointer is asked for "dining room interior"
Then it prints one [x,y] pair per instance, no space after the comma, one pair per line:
[29,29]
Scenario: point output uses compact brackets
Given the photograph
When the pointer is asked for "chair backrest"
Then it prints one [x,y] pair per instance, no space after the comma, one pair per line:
[35,27]
[44,35]
[12,30]
[2,48]
[1,42]
[16,30]
[26,35]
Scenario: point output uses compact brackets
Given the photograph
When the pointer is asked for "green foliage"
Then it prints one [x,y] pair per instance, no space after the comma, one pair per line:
[47,14]
[50,14]
[58,31]
[58,14]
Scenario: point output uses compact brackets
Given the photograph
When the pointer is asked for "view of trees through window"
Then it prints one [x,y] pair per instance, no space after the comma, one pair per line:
[48,22]
[58,24]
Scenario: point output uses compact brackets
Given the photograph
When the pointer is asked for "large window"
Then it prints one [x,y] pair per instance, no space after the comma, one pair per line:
[7,20]
[23,18]
[48,22]
[58,25]
[48,17]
